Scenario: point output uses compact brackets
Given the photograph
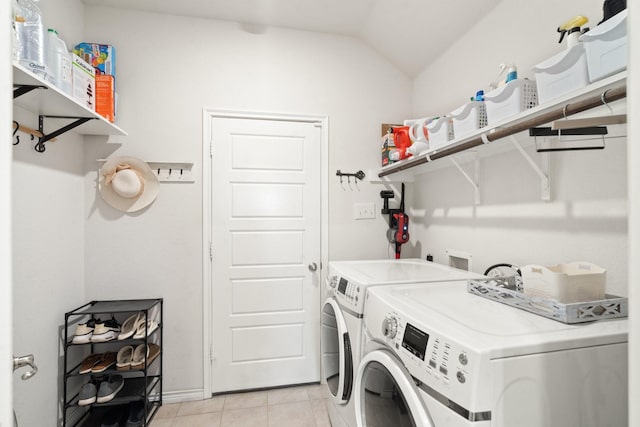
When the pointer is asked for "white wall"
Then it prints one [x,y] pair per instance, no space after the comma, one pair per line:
[48,247]
[168,69]
[48,262]
[587,217]
[634,215]
[6,317]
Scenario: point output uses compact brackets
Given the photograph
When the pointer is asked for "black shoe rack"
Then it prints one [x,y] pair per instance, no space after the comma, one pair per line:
[141,386]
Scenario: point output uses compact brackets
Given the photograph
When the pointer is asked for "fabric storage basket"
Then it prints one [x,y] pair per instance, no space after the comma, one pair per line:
[567,283]
[468,118]
[606,47]
[511,99]
[562,73]
[440,131]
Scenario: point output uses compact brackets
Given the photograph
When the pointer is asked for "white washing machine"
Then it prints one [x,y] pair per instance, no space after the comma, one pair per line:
[453,359]
[342,315]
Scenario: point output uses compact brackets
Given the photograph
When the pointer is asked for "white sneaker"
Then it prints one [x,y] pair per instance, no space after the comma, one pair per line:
[106,331]
[84,332]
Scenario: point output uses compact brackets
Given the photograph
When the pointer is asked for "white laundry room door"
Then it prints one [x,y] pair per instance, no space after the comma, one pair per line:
[265,228]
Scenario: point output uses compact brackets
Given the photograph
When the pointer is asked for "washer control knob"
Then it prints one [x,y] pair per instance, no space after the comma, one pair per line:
[461,378]
[462,357]
[390,327]
[333,281]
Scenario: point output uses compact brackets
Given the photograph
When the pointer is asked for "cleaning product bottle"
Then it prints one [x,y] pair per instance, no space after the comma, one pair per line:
[30,36]
[511,72]
[59,62]
[572,29]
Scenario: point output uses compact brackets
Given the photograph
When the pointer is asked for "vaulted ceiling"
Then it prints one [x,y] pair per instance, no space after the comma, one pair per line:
[409,33]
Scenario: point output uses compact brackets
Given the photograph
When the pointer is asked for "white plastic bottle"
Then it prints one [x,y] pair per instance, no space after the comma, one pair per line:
[59,62]
[31,37]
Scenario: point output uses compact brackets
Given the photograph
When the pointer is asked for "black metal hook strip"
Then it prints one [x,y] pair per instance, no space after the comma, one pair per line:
[359,175]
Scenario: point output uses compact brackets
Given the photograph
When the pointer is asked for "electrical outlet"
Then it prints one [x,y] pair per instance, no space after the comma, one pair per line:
[364,211]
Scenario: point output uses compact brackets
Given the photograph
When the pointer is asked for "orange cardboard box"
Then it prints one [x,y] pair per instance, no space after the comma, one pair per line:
[105,93]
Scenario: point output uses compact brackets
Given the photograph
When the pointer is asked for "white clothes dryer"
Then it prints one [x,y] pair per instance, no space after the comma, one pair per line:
[342,318]
[453,359]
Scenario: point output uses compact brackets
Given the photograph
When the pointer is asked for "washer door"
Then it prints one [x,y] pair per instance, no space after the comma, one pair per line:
[385,394]
[336,352]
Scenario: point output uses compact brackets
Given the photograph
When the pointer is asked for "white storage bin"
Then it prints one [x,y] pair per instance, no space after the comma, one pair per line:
[562,73]
[567,283]
[440,131]
[606,47]
[511,99]
[468,118]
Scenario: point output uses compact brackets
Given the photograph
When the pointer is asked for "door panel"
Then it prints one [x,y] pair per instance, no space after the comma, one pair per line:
[267,200]
[267,247]
[265,231]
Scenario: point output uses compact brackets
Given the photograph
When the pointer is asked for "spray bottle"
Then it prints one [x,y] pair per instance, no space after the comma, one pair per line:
[572,29]
[509,71]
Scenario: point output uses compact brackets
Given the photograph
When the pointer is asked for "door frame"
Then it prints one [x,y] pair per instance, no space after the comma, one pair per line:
[207,148]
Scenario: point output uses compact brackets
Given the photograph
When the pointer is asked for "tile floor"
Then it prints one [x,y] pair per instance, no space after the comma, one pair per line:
[301,406]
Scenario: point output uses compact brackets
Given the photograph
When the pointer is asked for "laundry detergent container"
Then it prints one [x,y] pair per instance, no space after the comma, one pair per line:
[606,47]
[468,118]
[563,73]
[440,131]
[511,99]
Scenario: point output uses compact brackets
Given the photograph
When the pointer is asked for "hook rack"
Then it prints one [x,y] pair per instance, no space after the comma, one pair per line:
[168,171]
[357,175]
[32,132]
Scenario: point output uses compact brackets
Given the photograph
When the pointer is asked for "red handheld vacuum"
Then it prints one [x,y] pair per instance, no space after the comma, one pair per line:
[398,232]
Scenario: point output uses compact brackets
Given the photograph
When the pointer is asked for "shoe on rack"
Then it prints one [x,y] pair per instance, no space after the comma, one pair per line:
[88,394]
[89,362]
[124,358]
[136,415]
[113,417]
[109,388]
[143,355]
[106,331]
[130,326]
[84,332]
[145,328]
[106,361]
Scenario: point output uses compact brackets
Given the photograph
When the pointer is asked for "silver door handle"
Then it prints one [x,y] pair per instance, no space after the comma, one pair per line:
[28,360]
[312,267]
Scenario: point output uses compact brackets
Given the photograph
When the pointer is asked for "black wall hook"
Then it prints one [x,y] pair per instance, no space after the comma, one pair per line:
[16,131]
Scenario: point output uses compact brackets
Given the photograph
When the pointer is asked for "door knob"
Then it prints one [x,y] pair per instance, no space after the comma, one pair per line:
[313,266]
[19,362]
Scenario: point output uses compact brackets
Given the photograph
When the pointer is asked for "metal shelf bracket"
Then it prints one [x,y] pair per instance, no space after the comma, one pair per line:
[47,137]
[473,181]
[542,172]
[19,90]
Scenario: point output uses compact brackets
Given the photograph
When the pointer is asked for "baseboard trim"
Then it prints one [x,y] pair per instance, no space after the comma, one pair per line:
[182,396]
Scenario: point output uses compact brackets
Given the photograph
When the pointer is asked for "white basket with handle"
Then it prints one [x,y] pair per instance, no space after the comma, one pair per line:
[567,283]
[511,99]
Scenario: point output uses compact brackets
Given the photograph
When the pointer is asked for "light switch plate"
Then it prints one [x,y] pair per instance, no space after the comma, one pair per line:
[364,211]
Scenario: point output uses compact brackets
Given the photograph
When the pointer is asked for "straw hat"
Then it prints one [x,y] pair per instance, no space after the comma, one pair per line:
[128,184]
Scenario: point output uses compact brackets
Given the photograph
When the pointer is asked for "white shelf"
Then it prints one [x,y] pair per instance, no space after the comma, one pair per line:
[405,170]
[53,102]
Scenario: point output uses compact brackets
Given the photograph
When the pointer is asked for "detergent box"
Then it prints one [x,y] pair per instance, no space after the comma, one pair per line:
[389,153]
[101,56]
[83,81]
[105,97]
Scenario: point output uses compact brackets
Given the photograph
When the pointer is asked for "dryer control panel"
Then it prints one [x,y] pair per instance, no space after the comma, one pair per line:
[439,363]
[348,293]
